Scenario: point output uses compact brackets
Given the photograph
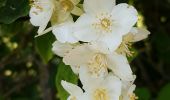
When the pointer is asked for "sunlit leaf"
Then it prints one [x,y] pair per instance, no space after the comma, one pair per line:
[44,46]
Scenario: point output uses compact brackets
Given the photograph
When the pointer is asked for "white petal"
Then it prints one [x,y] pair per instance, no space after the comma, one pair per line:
[84,30]
[72,89]
[89,83]
[98,6]
[41,17]
[61,49]
[108,43]
[113,84]
[124,17]
[139,34]
[78,56]
[120,66]
[64,32]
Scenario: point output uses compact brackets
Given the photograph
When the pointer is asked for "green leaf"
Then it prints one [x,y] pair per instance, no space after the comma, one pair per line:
[164,93]
[143,93]
[10,10]
[44,46]
[64,73]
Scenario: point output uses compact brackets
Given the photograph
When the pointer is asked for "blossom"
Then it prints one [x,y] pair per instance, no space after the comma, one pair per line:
[43,11]
[101,88]
[76,93]
[105,22]
[135,35]
[97,62]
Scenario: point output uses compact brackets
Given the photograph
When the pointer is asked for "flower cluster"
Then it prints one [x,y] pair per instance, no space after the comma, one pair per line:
[95,46]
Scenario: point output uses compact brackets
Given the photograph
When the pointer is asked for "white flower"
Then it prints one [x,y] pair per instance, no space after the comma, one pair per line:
[97,62]
[135,35]
[40,13]
[64,31]
[105,23]
[76,93]
[43,11]
[101,88]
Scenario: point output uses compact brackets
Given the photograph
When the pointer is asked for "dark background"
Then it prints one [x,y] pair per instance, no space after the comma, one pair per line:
[25,75]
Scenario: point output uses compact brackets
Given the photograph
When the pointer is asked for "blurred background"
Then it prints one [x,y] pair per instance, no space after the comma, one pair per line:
[30,71]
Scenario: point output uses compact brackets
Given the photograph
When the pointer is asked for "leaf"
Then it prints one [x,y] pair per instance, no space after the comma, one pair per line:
[10,10]
[162,43]
[44,46]
[143,93]
[64,73]
[164,93]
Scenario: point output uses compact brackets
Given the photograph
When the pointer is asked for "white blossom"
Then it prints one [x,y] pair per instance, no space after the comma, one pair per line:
[101,88]
[105,22]
[55,11]
[97,62]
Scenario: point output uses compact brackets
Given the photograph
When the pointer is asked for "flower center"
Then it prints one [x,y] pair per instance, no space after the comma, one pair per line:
[98,64]
[67,5]
[126,45]
[101,94]
[105,23]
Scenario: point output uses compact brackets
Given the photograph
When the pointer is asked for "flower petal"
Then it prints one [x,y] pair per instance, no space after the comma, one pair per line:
[37,15]
[64,32]
[124,17]
[72,89]
[61,49]
[120,66]
[108,43]
[78,56]
[98,6]
[75,1]
[84,30]
[139,34]
[114,86]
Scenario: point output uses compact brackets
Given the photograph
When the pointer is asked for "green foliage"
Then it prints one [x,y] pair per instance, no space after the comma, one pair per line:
[44,46]
[164,93]
[64,73]
[143,94]
[162,43]
[10,10]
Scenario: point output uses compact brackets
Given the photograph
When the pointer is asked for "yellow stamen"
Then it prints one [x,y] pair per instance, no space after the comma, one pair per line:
[101,94]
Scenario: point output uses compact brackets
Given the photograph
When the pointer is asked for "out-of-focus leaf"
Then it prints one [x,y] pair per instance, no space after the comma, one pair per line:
[162,44]
[143,93]
[64,73]
[14,28]
[10,10]
[44,46]
[164,93]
